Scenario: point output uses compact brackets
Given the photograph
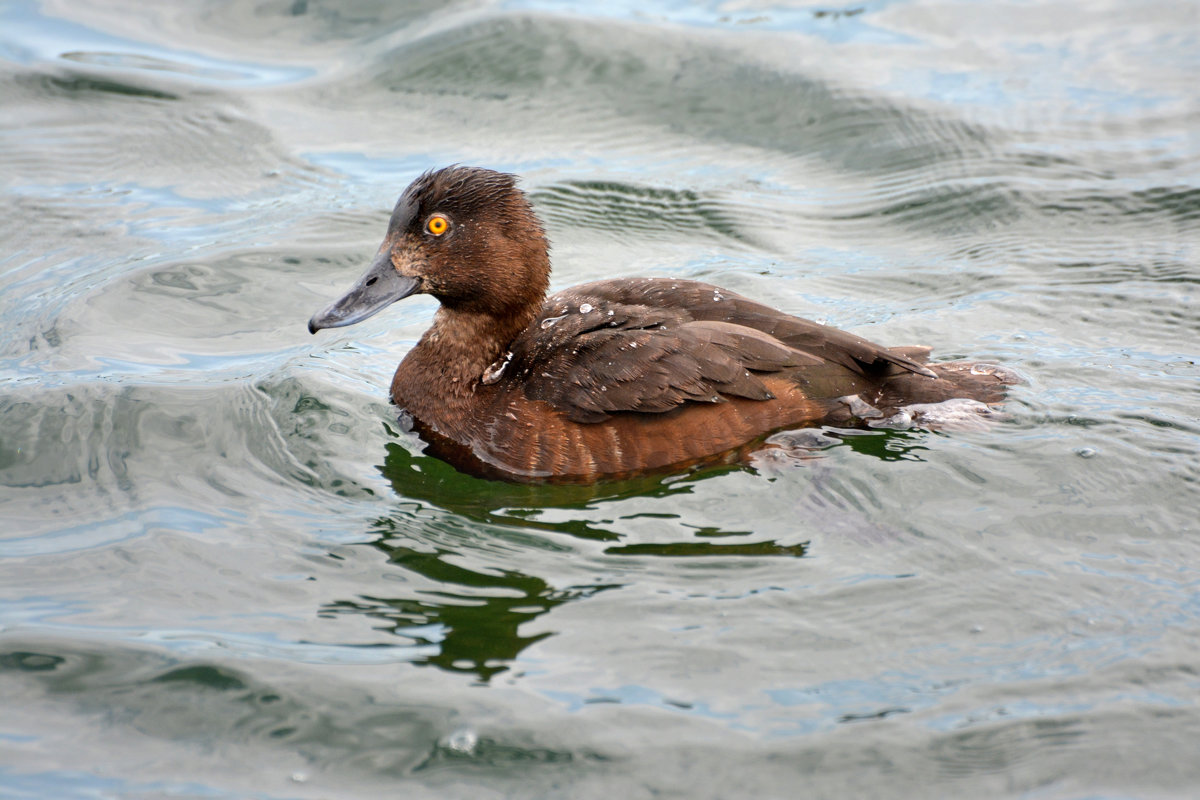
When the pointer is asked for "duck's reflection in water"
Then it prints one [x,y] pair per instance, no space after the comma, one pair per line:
[456,538]
[463,608]
[462,619]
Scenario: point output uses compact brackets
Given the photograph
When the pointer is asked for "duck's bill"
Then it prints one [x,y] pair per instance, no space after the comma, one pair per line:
[377,289]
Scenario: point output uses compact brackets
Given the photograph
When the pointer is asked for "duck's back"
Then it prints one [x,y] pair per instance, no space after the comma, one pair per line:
[630,376]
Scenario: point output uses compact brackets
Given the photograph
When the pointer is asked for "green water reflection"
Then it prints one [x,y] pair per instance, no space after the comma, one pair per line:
[473,621]
[478,620]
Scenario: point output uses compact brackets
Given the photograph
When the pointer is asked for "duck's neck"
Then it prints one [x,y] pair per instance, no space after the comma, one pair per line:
[448,363]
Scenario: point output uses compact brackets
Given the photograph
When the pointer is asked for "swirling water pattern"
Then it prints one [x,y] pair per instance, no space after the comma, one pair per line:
[225,571]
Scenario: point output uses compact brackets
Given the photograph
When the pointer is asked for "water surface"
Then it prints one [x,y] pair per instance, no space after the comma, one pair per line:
[226,572]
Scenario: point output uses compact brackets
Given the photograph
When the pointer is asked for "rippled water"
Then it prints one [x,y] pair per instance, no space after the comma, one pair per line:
[224,572]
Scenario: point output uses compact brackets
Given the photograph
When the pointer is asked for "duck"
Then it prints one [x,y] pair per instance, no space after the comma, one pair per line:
[615,378]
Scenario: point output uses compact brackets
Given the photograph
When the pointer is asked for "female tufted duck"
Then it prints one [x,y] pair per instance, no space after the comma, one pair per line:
[612,378]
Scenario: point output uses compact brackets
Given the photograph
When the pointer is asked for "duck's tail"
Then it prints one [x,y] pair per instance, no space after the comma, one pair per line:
[971,380]
[963,394]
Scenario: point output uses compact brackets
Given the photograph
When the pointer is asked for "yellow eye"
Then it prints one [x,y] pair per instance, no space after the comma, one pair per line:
[437,225]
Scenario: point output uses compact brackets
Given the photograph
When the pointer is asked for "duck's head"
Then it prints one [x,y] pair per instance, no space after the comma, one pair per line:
[465,235]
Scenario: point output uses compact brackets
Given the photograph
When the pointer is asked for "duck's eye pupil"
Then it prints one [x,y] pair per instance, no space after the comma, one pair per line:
[437,225]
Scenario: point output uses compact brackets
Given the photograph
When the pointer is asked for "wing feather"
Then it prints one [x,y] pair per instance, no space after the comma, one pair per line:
[651,345]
